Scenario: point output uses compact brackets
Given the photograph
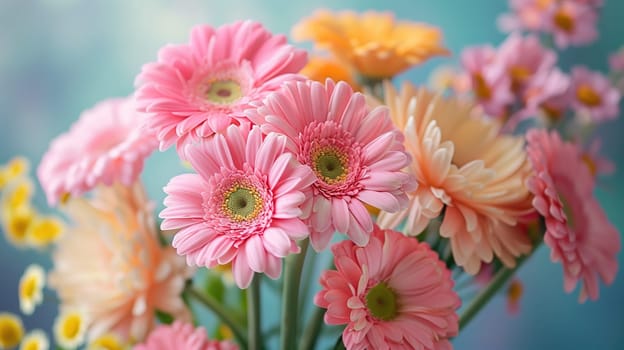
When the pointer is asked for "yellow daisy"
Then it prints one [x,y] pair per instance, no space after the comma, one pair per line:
[35,340]
[44,230]
[69,328]
[376,45]
[17,194]
[16,167]
[16,223]
[11,330]
[31,288]
[107,342]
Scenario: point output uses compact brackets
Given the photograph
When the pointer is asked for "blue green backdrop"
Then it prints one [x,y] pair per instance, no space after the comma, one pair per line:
[59,57]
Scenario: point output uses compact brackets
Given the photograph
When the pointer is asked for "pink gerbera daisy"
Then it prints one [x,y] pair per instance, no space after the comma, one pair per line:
[526,14]
[182,336]
[594,94]
[105,145]
[394,293]
[199,88]
[243,207]
[490,84]
[356,154]
[577,230]
[571,23]
[534,60]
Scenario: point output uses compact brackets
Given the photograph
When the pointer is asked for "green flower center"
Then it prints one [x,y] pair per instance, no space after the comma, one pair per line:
[242,203]
[223,91]
[329,165]
[381,301]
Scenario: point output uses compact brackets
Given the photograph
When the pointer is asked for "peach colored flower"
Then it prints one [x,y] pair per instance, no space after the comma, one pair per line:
[466,168]
[373,43]
[110,264]
[393,293]
[104,146]
[578,232]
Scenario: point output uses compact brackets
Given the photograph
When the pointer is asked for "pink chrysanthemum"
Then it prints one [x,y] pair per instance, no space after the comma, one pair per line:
[199,88]
[393,293]
[356,154]
[111,266]
[571,23]
[525,59]
[577,230]
[490,84]
[526,14]
[182,336]
[104,146]
[594,95]
[466,168]
[243,207]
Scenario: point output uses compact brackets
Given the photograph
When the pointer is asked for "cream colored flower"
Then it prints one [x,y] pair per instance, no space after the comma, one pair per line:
[466,170]
[31,288]
[35,340]
[70,328]
[110,264]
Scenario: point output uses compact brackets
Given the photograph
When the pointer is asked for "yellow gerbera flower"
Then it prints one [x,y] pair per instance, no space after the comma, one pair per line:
[107,342]
[320,68]
[11,330]
[31,288]
[35,340]
[374,43]
[44,230]
[69,329]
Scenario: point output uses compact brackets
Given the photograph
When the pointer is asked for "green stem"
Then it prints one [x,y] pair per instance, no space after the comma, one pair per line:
[290,296]
[254,329]
[312,330]
[221,312]
[499,280]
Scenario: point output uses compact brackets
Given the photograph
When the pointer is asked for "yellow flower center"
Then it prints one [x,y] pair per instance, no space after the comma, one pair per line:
[18,224]
[519,75]
[591,164]
[588,96]
[29,287]
[242,202]
[564,21]
[106,342]
[32,344]
[11,332]
[45,231]
[481,89]
[223,92]
[330,165]
[71,326]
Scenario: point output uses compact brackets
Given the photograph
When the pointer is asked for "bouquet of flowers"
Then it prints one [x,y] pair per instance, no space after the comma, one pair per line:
[315,184]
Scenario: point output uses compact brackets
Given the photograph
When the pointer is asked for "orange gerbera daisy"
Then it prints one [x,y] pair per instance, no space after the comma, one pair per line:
[374,43]
[466,167]
[320,68]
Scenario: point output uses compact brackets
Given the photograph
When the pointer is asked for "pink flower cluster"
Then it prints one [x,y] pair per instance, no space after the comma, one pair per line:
[272,169]
[513,86]
[569,22]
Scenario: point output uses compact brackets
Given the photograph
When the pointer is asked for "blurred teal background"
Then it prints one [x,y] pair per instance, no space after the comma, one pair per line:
[59,57]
